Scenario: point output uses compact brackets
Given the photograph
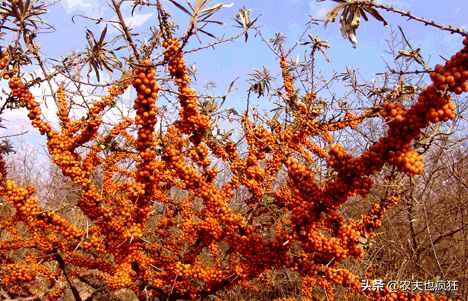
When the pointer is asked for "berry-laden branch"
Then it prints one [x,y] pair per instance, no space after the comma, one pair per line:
[160,224]
[191,120]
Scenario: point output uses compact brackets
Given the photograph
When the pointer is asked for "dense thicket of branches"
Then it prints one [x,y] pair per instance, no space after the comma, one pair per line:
[173,206]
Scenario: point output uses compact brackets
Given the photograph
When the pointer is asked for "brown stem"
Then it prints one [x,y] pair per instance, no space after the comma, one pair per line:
[61,263]
[127,34]
[409,15]
[410,214]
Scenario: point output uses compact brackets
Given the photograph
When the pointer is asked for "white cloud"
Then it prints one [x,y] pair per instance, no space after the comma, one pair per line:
[138,19]
[96,8]
[78,4]
[15,121]
[92,8]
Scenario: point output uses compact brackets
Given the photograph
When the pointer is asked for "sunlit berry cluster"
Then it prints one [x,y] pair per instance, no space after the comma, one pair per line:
[409,162]
[63,108]
[26,98]
[191,120]
[453,76]
[145,106]
[4,62]
[394,112]
[372,220]
[287,78]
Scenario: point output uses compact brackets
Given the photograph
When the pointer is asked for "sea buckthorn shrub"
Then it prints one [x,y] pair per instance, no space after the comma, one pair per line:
[199,245]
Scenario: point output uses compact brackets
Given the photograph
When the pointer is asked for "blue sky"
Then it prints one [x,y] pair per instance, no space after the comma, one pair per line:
[238,59]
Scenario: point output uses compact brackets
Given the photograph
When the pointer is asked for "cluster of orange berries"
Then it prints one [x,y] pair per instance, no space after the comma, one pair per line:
[63,108]
[199,154]
[218,150]
[93,121]
[145,104]
[26,99]
[409,161]
[147,92]
[123,277]
[314,148]
[252,174]
[21,199]
[300,189]
[328,247]
[15,244]
[120,87]
[373,219]
[17,274]
[133,232]
[192,121]
[432,106]
[394,112]
[94,242]
[202,273]
[92,125]
[338,156]
[349,235]
[343,277]
[4,61]
[405,125]
[445,113]
[454,75]
[263,140]
[287,79]
[119,128]
[60,148]
[27,207]
[349,119]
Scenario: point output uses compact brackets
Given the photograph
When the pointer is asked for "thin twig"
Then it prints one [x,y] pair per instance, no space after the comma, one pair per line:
[125,29]
[14,135]
[410,16]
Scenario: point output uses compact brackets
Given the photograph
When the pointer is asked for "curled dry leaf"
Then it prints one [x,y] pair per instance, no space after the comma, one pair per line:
[350,13]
